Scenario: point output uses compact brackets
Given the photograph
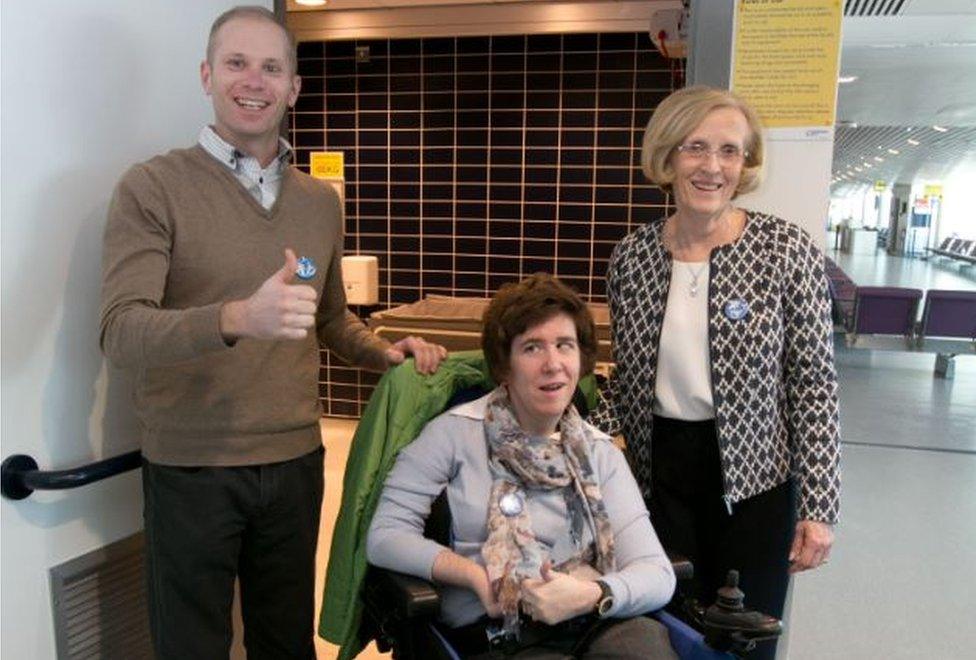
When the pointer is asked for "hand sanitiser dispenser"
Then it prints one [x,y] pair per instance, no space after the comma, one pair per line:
[360,277]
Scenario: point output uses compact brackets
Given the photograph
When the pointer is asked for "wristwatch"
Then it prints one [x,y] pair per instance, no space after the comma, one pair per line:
[605,603]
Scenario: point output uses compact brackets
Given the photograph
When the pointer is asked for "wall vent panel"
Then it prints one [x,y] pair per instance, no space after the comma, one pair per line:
[99,604]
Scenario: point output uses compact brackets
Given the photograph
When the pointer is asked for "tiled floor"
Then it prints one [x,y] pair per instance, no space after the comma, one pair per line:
[882,269]
[901,579]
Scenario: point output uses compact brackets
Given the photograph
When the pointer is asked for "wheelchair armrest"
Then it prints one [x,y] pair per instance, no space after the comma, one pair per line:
[408,596]
[683,568]
[412,597]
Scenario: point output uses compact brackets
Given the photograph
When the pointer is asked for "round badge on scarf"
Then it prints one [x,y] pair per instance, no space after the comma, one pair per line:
[736,309]
[511,504]
[306,268]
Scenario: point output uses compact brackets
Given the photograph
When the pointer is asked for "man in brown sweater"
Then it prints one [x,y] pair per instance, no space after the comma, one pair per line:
[205,298]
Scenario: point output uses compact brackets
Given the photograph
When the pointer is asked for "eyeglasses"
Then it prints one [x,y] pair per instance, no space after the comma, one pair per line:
[728,154]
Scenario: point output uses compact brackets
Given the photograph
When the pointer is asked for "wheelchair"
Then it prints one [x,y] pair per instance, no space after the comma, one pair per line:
[400,613]
[400,610]
[363,603]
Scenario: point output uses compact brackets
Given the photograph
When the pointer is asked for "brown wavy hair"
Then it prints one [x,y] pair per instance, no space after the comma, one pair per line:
[519,306]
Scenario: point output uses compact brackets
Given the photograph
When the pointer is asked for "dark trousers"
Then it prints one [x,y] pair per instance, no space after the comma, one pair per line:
[691,518]
[206,526]
[638,638]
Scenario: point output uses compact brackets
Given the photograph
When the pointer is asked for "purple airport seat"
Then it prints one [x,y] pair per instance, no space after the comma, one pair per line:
[949,314]
[886,310]
[846,291]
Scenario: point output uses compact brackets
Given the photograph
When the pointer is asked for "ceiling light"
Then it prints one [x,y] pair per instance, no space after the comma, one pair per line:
[912,142]
[879,159]
[858,169]
[893,152]
[311,3]
[940,129]
[867,165]
[843,80]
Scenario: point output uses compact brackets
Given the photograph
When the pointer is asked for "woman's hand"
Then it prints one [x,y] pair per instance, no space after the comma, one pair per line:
[480,585]
[451,568]
[586,572]
[811,545]
[558,596]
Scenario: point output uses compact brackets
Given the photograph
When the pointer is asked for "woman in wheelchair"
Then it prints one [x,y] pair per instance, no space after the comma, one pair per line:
[552,552]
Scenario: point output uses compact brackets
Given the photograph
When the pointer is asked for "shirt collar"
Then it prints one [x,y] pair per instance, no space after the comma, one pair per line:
[230,156]
[472,409]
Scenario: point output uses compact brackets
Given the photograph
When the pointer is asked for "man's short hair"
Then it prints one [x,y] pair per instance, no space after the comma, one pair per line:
[252,11]
[520,306]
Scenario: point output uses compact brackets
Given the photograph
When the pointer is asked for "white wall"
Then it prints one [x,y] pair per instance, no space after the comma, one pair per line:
[88,87]
[959,203]
[796,185]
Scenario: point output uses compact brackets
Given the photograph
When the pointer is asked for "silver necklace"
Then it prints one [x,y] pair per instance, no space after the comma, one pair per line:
[693,286]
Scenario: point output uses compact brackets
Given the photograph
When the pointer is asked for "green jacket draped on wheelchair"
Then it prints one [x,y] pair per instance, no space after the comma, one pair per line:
[402,403]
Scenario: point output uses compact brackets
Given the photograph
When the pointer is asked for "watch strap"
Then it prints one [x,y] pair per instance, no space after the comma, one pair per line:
[605,603]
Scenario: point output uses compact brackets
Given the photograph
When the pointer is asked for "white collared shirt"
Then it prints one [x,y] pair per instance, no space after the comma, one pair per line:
[264,183]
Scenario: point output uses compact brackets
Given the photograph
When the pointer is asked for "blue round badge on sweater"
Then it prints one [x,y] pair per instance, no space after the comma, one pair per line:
[736,309]
[306,269]
[511,504]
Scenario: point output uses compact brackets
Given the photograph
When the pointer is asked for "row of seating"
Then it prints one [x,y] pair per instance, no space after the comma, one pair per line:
[956,248]
[842,292]
[887,317]
[882,311]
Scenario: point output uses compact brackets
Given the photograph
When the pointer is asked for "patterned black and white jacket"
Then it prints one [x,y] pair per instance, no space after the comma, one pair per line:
[770,340]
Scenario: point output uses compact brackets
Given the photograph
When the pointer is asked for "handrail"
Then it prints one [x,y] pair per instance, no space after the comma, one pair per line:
[19,476]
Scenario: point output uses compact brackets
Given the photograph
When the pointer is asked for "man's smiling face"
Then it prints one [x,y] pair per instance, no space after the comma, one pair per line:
[251,81]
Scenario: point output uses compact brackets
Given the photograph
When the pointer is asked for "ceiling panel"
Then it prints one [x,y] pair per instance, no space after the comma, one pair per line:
[865,154]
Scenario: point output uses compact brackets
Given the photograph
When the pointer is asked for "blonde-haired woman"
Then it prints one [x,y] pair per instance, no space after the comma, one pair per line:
[724,388]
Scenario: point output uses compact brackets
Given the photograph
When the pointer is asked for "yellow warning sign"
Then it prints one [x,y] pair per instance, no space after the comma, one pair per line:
[880,186]
[327,164]
[786,60]
[933,190]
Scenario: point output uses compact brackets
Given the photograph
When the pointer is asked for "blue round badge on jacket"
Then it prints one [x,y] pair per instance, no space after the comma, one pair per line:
[306,269]
[736,309]
[511,504]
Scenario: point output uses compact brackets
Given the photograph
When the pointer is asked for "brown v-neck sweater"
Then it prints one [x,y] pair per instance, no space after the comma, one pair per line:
[183,237]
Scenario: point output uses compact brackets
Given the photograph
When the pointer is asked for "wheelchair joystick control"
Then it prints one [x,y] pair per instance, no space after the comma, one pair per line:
[729,626]
[730,597]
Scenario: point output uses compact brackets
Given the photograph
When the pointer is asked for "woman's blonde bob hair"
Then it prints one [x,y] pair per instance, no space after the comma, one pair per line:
[681,113]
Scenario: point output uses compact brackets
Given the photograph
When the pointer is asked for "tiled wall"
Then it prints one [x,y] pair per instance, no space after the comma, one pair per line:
[473,161]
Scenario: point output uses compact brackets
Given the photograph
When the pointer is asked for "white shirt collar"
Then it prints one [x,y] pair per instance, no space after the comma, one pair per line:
[230,156]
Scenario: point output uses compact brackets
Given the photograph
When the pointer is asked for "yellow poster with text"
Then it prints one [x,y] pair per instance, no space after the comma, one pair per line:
[786,60]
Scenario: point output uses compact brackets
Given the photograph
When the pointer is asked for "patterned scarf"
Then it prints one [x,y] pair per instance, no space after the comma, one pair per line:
[521,462]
